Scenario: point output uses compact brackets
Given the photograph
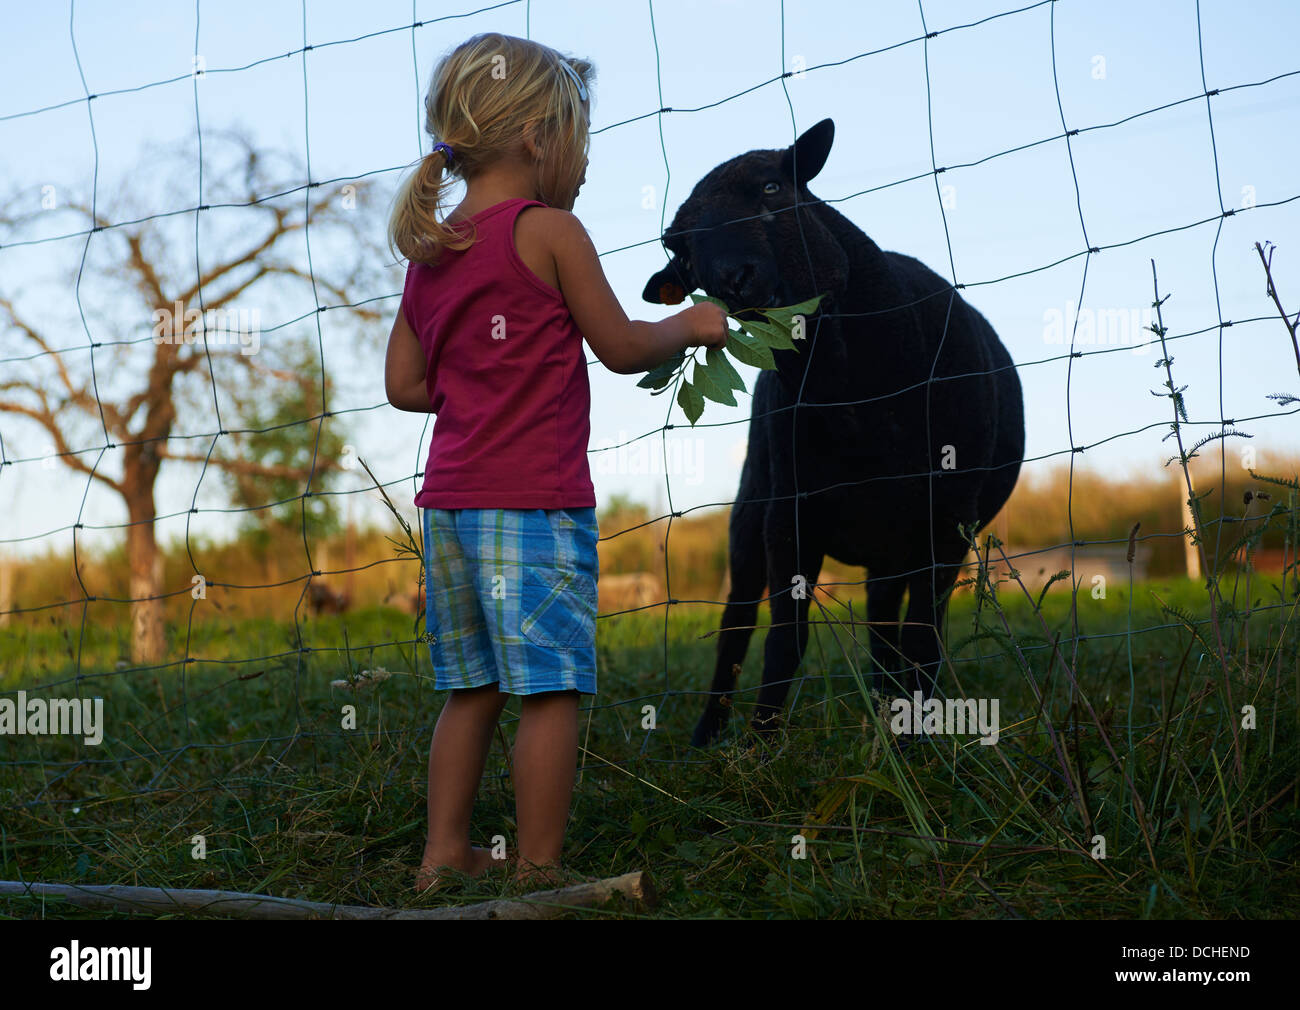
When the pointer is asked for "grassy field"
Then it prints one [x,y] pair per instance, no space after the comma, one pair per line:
[1131,739]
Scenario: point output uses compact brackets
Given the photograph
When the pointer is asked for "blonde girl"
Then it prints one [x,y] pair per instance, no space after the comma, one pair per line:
[500,293]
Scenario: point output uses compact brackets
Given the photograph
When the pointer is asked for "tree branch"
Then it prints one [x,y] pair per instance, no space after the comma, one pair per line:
[341,296]
[80,396]
[46,419]
[221,269]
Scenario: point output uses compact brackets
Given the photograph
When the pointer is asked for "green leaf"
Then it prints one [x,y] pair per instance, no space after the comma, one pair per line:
[785,314]
[771,334]
[876,780]
[710,386]
[660,376]
[722,369]
[709,298]
[691,402]
[749,350]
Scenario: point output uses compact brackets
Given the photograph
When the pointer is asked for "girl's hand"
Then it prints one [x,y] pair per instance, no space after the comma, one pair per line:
[708,325]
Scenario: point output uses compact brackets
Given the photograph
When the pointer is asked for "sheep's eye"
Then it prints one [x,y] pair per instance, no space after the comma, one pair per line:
[771,187]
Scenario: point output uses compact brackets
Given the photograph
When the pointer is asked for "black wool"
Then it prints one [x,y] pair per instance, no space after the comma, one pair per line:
[898,420]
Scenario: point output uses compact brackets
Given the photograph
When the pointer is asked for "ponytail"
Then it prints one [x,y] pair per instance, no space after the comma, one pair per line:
[414,227]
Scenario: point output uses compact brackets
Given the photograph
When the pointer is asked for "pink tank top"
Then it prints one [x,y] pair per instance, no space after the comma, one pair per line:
[507,377]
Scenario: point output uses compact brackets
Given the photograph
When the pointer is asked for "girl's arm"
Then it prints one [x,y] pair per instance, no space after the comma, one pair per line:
[405,369]
[622,345]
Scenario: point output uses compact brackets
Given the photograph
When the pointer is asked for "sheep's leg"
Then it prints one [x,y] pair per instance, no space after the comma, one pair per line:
[927,604]
[884,600]
[748,576]
[788,636]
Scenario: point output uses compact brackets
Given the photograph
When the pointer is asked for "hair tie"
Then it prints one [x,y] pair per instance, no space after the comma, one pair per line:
[445,149]
[582,88]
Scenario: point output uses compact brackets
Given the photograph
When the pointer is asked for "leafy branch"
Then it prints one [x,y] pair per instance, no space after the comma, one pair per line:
[714,378]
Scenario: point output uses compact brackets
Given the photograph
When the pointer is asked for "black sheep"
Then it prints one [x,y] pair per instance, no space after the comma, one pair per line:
[897,419]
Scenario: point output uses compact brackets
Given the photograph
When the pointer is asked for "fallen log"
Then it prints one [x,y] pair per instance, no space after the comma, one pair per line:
[636,887]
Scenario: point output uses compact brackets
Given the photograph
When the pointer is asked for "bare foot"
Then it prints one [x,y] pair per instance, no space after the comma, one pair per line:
[543,876]
[429,878]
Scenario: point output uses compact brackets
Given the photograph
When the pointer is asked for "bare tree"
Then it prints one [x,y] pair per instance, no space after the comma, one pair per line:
[68,389]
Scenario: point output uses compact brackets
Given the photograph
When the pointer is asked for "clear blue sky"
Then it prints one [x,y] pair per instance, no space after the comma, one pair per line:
[991,89]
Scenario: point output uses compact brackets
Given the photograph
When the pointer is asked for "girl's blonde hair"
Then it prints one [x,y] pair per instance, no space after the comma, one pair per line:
[483,95]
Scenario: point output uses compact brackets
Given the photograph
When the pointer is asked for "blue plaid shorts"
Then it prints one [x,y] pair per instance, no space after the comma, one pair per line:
[510,598]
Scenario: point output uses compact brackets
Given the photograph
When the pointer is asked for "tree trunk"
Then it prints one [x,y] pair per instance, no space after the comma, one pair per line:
[6,588]
[636,888]
[148,645]
[1190,553]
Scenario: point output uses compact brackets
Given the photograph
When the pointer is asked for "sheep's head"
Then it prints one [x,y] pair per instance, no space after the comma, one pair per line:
[738,238]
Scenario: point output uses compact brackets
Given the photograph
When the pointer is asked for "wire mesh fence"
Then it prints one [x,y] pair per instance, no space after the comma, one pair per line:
[226,735]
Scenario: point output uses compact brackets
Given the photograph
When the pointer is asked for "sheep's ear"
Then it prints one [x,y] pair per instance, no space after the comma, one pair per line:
[670,285]
[810,152]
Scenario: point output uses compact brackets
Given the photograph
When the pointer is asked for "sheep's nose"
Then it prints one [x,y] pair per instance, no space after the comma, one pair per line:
[737,278]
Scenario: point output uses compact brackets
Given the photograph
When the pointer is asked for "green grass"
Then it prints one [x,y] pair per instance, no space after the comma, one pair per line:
[250,754]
